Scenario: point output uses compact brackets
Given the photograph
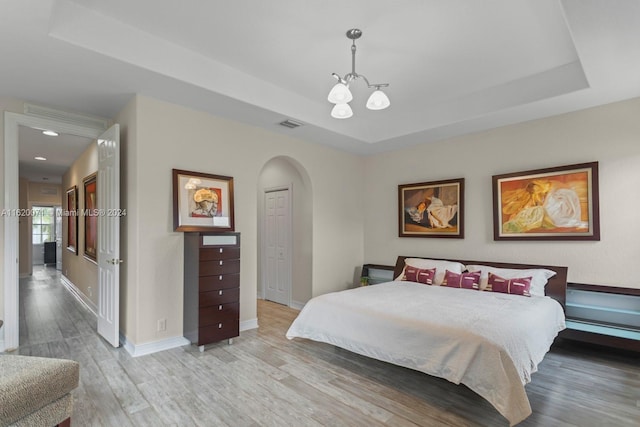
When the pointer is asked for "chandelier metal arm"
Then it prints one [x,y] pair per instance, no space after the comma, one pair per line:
[340,95]
[348,78]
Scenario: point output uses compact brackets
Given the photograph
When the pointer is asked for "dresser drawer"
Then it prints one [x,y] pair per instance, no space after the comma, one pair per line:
[220,281]
[217,253]
[218,332]
[218,313]
[210,268]
[221,296]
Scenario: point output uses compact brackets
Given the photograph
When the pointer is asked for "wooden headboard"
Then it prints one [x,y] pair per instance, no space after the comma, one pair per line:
[556,287]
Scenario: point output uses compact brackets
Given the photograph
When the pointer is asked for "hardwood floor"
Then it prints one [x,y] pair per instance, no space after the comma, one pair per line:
[263,379]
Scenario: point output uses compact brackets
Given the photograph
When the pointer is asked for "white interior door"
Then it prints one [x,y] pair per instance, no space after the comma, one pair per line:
[108,203]
[277,246]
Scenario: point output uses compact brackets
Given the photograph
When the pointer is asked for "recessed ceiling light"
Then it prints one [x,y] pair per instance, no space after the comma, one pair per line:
[40,158]
[50,133]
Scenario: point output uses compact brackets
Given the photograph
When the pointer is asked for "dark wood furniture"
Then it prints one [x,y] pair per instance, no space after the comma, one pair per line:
[556,287]
[603,315]
[376,273]
[211,287]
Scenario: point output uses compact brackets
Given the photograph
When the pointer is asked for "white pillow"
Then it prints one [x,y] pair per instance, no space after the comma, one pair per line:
[539,276]
[440,265]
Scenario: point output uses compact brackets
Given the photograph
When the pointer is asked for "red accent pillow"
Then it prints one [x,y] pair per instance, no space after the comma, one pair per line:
[518,286]
[413,274]
[464,280]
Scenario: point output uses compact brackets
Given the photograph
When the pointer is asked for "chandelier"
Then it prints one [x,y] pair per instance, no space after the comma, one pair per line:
[340,95]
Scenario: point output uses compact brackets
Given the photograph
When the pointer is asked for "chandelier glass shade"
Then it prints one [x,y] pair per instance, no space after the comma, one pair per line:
[341,111]
[340,95]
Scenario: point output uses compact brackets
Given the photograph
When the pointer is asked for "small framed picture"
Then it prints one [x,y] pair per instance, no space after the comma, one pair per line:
[202,202]
[558,203]
[432,209]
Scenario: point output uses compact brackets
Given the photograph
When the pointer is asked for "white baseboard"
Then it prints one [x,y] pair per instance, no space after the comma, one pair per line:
[297,305]
[84,300]
[249,324]
[2,349]
[152,347]
[169,343]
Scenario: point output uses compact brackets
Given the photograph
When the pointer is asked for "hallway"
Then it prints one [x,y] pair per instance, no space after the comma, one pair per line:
[51,320]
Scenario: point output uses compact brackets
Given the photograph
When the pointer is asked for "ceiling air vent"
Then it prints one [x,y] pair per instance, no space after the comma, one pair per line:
[291,124]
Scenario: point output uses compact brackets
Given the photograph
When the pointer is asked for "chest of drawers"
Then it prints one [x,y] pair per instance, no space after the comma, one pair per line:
[211,287]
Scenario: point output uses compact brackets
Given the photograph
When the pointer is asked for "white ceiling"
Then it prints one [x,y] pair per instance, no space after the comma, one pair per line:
[454,66]
[60,152]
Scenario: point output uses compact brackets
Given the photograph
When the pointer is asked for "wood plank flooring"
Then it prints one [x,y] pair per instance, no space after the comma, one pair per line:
[263,379]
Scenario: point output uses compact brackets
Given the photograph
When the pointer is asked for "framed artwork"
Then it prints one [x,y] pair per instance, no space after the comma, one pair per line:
[202,202]
[90,213]
[558,203]
[72,219]
[432,209]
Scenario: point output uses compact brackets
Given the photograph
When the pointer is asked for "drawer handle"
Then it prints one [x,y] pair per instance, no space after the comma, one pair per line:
[220,292]
[220,277]
[220,308]
[219,325]
[220,262]
[221,250]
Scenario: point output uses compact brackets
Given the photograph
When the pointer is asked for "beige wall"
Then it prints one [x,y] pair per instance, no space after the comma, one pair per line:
[80,271]
[607,134]
[167,136]
[44,194]
[127,119]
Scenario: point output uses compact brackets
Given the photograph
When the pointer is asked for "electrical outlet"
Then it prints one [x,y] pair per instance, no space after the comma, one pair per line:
[162,325]
[90,291]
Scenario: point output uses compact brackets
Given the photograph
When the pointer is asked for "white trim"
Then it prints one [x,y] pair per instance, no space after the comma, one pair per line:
[79,295]
[2,349]
[66,116]
[246,325]
[10,262]
[169,343]
[152,347]
[297,305]
[12,121]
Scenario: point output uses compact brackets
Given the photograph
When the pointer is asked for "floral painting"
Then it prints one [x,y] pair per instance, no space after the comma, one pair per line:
[558,203]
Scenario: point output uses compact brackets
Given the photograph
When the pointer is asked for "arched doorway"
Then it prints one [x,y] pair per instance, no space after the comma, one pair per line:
[285,217]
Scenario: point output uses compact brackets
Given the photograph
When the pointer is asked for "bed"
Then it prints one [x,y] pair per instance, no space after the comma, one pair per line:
[488,340]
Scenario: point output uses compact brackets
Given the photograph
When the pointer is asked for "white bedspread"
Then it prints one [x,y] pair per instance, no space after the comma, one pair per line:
[490,342]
